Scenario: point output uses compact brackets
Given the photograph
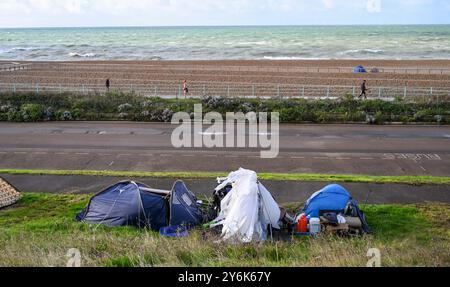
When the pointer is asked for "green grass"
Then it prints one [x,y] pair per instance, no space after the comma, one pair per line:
[40,229]
[349,178]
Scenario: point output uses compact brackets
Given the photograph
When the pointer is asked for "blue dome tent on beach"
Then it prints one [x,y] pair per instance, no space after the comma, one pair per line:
[359,70]
[134,204]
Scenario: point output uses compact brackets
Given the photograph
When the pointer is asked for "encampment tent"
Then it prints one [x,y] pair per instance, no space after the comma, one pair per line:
[135,204]
[359,69]
[247,209]
[334,198]
[8,194]
[331,198]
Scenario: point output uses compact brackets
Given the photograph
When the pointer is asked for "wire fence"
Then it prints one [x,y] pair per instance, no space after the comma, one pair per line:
[234,90]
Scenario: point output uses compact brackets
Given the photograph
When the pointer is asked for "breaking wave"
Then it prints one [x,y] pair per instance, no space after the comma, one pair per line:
[79,55]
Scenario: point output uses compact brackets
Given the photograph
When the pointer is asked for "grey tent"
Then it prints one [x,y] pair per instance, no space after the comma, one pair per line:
[136,204]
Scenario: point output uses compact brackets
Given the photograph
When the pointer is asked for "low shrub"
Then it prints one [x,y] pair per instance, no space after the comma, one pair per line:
[123,106]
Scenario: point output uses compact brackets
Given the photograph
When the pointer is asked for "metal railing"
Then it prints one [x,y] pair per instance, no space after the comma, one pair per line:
[234,90]
[14,67]
[249,68]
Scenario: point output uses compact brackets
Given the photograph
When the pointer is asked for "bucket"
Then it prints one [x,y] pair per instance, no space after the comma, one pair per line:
[314,225]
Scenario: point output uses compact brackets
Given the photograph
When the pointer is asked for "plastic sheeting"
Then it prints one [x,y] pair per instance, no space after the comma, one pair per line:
[248,208]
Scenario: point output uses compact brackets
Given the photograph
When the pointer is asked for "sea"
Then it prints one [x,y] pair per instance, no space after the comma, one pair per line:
[226,43]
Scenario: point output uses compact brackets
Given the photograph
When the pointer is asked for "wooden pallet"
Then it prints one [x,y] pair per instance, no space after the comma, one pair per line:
[8,194]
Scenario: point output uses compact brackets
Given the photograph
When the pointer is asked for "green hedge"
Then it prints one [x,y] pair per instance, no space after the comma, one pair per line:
[116,106]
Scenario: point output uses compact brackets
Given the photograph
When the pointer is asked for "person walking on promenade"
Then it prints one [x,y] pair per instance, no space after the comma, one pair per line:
[363,90]
[185,88]
[108,85]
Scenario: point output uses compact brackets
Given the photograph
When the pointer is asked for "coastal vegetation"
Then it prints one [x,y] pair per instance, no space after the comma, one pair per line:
[30,107]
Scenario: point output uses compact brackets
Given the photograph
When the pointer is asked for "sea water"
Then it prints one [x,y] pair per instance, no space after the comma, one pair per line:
[227,43]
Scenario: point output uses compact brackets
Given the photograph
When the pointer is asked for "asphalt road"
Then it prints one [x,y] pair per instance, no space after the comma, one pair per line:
[283,191]
[343,149]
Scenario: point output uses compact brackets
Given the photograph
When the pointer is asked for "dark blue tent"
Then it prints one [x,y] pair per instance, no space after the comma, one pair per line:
[135,204]
[332,198]
[359,69]
[183,207]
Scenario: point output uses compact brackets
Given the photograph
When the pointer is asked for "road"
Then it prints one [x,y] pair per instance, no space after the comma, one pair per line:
[283,191]
[342,149]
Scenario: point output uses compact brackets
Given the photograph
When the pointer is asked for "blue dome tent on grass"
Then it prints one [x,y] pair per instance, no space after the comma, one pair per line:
[130,203]
[359,70]
[334,198]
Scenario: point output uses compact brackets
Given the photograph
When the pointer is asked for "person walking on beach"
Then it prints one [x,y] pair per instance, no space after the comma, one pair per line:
[185,88]
[108,84]
[363,90]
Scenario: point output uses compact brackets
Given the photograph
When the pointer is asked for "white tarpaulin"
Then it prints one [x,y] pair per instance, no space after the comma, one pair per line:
[248,208]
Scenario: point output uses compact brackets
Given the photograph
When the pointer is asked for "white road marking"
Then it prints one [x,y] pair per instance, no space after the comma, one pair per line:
[19,152]
[82,153]
[165,155]
[104,154]
[61,153]
[343,158]
[318,157]
[212,134]
[367,158]
[111,163]
[422,168]
[297,157]
[40,153]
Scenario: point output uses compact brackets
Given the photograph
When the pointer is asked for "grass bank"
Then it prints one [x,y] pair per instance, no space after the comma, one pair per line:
[336,178]
[30,107]
[40,230]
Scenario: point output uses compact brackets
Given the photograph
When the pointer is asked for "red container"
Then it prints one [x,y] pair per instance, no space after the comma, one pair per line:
[302,224]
